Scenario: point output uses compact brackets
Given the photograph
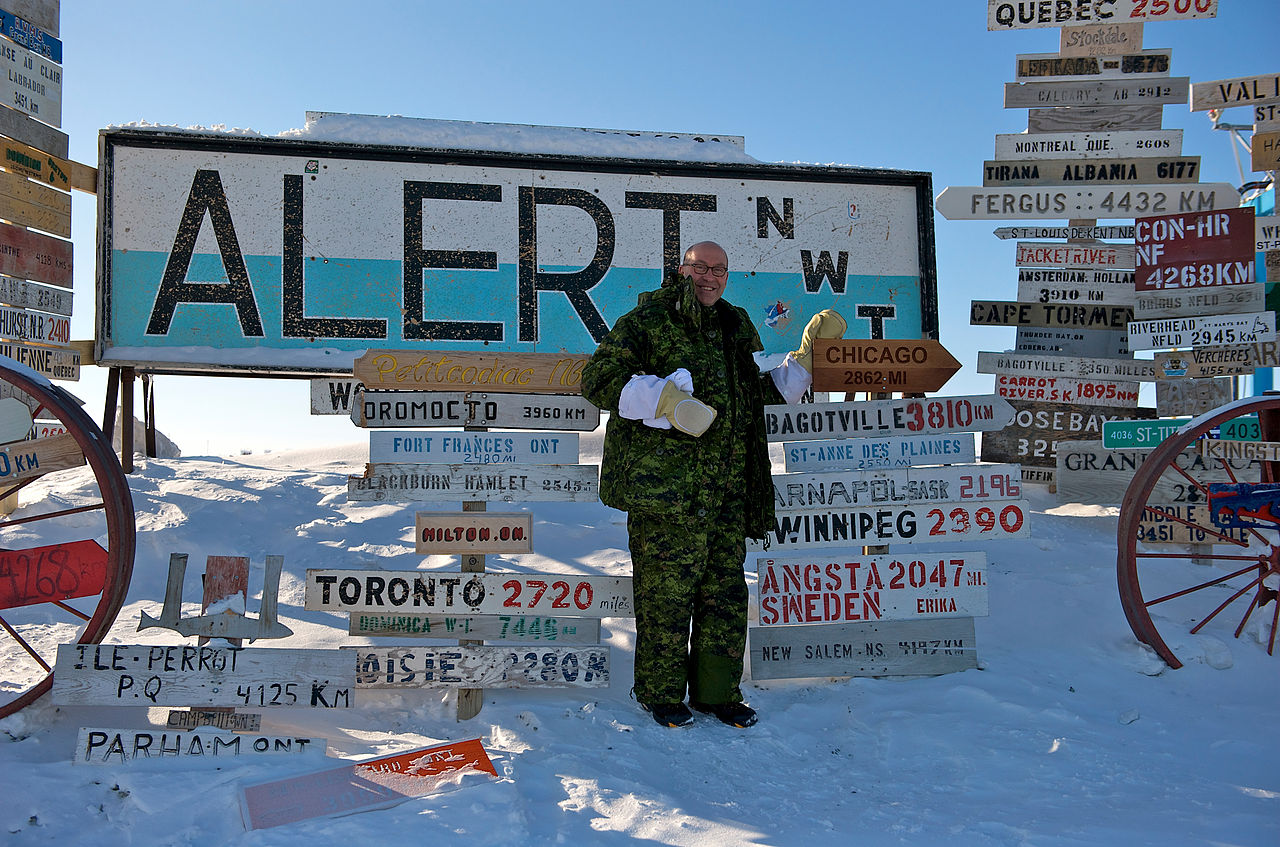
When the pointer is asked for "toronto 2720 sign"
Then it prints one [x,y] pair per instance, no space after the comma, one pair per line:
[235,255]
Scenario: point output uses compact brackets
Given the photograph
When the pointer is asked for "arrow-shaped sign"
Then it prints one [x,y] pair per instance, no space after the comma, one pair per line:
[912,366]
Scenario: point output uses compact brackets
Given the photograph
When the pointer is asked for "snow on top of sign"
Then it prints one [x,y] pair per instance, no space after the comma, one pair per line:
[399,131]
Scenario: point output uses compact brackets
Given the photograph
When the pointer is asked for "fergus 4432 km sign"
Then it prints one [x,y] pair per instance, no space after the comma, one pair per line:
[233,255]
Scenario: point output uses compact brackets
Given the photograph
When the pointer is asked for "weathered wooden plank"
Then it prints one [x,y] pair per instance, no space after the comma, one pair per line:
[1218,300]
[41,13]
[883,648]
[1109,92]
[1076,292]
[1078,233]
[23,294]
[1164,524]
[1189,250]
[1203,330]
[28,203]
[42,328]
[185,675]
[1039,430]
[369,784]
[1002,15]
[1089,343]
[1161,143]
[1089,473]
[1099,255]
[53,362]
[26,459]
[99,746]
[15,420]
[1076,276]
[32,255]
[31,83]
[18,126]
[332,395]
[516,628]
[515,483]
[1112,39]
[484,666]
[1204,362]
[1151,170]
[1262,451]
[195,718]
[1264,151]
[891,452]
[1055,389]
[492,448]
[419,592]
[473,532]
[425,370]
[1192,396]
[1049,315]
[1052,67]
[942,483]
[1095,119]
[936,415]
[1238,91]
[31,35]
[907,366]
[967,203]
[1266,233]
[820,589]
[384,409]
[1031,364]
[51,573]
[928,523]
[1266,118]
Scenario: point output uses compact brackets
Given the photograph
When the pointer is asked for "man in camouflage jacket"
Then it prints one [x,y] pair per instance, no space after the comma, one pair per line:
[685,456]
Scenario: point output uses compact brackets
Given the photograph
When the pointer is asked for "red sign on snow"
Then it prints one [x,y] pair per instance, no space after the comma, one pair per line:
[47,574]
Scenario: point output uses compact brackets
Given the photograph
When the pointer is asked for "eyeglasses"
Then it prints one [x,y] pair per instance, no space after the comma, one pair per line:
[717,271]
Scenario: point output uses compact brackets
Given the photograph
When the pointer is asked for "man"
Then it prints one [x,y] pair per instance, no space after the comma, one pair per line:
[685,456]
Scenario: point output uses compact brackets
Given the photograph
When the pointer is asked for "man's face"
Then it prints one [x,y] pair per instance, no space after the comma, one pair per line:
[707,287]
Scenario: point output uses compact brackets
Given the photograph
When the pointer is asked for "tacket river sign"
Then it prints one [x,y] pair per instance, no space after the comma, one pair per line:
[909,367]
[1036,254]
[530,373]
[813,421]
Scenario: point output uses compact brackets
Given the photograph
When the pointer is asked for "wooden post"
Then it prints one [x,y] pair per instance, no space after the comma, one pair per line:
[126,420]
[113,399]
[471,700]
[149,414]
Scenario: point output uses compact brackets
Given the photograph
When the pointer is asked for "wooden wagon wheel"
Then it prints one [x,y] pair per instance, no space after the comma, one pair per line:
[58,582]
[1213,588]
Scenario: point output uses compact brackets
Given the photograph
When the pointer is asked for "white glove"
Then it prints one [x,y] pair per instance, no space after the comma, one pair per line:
[640,396]
[792,379]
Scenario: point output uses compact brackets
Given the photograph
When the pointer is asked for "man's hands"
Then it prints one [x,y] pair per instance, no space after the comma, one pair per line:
[666,402]
[826,324]
[687,414]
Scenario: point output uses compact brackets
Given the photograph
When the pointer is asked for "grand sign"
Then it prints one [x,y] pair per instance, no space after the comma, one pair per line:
[243,255]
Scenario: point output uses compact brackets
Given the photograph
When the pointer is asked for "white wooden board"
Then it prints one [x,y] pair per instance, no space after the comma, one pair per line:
[1053,389]
[473,532]
[1109,92]
[1004,15]
[1111,39]
[30,83]
[1066,366]
[1134,64]
[967,203]
[382,409]
[391,447]
[1088,473]
[1202,331]
[1192,397]
[1163,524]
[24,294]
[421,592]
[1076,292]
[934,522]
[934,415]
[1234,360]
[890,452]
[1218,300]
[897,486]
[1089,343]
[1080,276]
[1088,145]
[1262,451]
[1043,254]
[1238,91]
[187,675]
[213,748]
[489,483]
[817,589]
[516,628]
[481,667]
[882,648]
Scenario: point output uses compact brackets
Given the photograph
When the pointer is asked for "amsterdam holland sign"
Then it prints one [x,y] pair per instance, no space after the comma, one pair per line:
[242,255]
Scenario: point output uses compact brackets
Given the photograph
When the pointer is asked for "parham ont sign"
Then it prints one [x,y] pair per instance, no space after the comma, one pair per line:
[234,255]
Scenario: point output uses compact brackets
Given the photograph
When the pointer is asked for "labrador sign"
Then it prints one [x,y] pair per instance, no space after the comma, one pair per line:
[235,255]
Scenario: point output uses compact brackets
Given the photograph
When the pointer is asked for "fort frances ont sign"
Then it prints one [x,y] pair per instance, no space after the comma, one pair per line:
[234,255]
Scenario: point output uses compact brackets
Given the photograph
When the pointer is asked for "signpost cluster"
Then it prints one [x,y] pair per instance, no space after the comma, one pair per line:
[844,585]
[1180,275]
[431,444]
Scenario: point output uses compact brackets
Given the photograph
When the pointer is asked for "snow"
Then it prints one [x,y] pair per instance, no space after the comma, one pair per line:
[1069,733]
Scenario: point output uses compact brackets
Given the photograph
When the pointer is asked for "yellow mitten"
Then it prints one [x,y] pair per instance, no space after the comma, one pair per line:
[690,416]
[826,324]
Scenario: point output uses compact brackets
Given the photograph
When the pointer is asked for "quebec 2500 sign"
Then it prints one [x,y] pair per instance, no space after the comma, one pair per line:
[227,254]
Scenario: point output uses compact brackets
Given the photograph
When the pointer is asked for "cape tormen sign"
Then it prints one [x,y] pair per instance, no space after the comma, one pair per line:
[237,255]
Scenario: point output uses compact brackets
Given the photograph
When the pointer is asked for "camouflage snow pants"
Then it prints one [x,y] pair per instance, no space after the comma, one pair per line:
[691,606]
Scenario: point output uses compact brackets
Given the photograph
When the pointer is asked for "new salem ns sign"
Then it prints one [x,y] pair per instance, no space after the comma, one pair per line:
[234,255]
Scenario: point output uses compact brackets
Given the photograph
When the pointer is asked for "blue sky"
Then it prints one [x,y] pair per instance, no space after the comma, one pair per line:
[915,86]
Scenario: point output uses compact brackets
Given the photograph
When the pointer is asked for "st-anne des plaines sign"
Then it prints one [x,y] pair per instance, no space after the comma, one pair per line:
[234,255]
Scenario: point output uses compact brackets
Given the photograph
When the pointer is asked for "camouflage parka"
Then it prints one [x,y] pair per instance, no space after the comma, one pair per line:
[664,471]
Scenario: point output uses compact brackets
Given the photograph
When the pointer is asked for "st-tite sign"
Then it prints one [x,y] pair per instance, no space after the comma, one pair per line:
[234,255]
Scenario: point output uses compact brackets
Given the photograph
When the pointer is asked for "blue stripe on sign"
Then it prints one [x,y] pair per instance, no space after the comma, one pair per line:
[30,36]
[372,289]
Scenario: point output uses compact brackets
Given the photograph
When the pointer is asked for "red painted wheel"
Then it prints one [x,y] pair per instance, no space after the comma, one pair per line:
[1212,588]
[66,554]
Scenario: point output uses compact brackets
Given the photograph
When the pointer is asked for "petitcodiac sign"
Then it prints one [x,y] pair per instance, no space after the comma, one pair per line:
[412,370]
[238,255]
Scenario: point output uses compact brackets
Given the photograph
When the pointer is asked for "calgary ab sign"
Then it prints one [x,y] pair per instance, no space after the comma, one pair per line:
[238,255]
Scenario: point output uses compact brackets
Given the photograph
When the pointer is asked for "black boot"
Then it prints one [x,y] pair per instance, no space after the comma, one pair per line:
[734,714]
[669,714]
